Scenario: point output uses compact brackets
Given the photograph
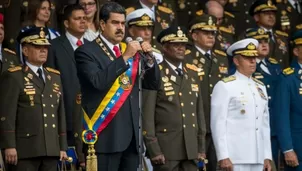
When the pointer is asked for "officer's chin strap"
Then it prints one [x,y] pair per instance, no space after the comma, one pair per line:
[91,159]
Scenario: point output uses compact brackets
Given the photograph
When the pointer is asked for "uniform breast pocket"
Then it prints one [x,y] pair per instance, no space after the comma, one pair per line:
[237,106]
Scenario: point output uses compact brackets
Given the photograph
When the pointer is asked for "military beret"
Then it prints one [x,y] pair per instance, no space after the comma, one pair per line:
[261,6]
[203,22]
[256,33]
[33,35]
[172,34]
[140,17]
[297,38]
[246,47]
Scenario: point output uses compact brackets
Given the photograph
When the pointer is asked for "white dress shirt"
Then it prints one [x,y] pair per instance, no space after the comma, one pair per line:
[240,120]
[35,69]
[90,35]
[202,51]
[73,40]
[292,2]
[174,67]
[271,31]
[109,44]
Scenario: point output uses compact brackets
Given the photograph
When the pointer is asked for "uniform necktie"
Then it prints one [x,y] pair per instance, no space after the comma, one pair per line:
[40,74]
[117,51]
[207,55]
[79,43]
[179,71]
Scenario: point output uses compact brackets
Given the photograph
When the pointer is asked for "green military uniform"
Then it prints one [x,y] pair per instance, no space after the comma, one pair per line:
[164,18]
[9,60]
[174,113]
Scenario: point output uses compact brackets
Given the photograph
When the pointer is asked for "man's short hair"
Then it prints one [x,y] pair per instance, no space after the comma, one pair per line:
[111,7]
[69,9]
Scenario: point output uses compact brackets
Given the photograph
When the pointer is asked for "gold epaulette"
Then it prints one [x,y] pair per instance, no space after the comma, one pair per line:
[299,26]
[288,71]
[9,51]
[187,52]
[123,47]
[281,33]
[53,70]
[165,9]
[129,10]
[257,81]
[14,69]
[228,79]
[160,67]
[199,13]
[220,52]
[229,14]
[193,67]
[278,1]
[272,60]
[156,50]
[227,30]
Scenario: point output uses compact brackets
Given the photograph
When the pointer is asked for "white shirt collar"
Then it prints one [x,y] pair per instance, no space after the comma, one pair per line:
[202,51]
[146,7]
[35,68]
[242,77]
[292,2]
[109,44]
[73,40]
[174,67]
[267,30]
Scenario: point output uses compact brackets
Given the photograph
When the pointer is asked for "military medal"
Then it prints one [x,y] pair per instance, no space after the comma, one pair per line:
[242,111]
[202,60]
[167,71]
[170,93]
[30,76]
[167,84]
[168,88]
[31,98]
[165,79]
[261,93]
[194,87]
[182,5]
[173,78]
[195,61]
[125,82]
[48,77]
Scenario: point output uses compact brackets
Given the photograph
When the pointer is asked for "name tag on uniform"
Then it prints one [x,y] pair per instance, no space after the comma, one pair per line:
[170,93]
[30,92]
[194,87]
[168,88]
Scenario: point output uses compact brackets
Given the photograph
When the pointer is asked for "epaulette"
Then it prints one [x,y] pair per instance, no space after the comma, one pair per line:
[187,52]
[257,81]
[53,70]
[272,60]
[278,1]
[281,33]
[288,71]
[129,10]
[229,14]
[123,47]
[199,13]
[14,69]
[160,67]
[227,30]
[299,26]
[9,51]
[193,67]
[228,79]
[165,9]
[156,50]
[220,52]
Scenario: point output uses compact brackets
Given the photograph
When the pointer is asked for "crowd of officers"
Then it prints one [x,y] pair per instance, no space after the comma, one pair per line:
[195,44]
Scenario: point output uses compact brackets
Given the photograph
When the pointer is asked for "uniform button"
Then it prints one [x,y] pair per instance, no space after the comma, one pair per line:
[183,115]
[76,135]
[269,97]
[180,94]
[246,12]
[211,95]
[193,114]
[280,60]
[54,126]
[192,103]
[42,95]
[154,37]
[257,118]
[50,96]
[195,3]
[27,135]
[165,130]
[182,104]
[131,97]
[244,4]
[44,105]
[11,41]
[256,105]
[52,105]
[45,115]
[210,75]
[268,86]
[256,129]
[190,92]
[45,125]
[194,125]
[53,115]
[247,21]
[3,119]
[188,3]
[211,85]
[219,75]
[184,126]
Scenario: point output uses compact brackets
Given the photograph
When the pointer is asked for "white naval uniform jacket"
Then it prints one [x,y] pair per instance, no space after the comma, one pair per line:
[240,120]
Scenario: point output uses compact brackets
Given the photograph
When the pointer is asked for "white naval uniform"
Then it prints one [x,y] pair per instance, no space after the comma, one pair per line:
[240,122]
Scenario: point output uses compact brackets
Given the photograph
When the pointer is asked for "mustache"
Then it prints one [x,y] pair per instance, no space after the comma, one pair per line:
[119,32]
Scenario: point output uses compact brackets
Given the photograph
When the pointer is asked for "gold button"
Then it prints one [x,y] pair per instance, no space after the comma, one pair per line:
[44,105]
[182,104]
[76,135]
[50,96]
[42,95]
[45,125]
[53,115]
[11,41]
[52,105]
[45,115]
[219,75]
[280,60]
[27,135]
[180,94]
[184,126]
[194,125]
[268,86]
[53,125]
[3,119]
[210,75]
[144,132]
[154,37]
[165,130]
[193,114]
[192,103]
[183,115]
[190,92]
[211,85]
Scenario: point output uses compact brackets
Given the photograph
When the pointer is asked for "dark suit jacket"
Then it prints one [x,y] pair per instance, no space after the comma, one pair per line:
[97,73]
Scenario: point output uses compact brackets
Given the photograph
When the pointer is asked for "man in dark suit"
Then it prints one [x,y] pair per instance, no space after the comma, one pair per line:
[32,127]
[61,57]
[110,91]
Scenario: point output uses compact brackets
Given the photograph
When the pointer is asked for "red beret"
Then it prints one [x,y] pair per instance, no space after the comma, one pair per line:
[1,18]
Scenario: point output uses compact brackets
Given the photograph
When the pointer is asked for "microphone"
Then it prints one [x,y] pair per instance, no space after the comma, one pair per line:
[141,40]
[128,39]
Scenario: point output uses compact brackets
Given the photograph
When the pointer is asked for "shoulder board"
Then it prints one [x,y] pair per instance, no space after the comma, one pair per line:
[278,1]
[193,67]
[165,9]
[220,52]
[187,52]
[299,26]
[229,14]
[199,13]
[288,71]
[227,30]
[9,51]
[156,50]
[281,33]
[129,10]
[272,60]
[53,70]
[228,79]
[160,67]
[123,47]
[257,81]
[14,69]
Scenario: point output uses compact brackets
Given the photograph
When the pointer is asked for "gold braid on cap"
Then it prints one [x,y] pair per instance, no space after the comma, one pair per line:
[179,37]
[249,50]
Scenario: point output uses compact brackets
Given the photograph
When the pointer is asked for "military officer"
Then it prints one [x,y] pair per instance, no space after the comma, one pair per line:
[288,109]
[239,114]
[174,113]
[140,23]
[32,126]
[8,58]
[164,17]
[267,71]
[212,65]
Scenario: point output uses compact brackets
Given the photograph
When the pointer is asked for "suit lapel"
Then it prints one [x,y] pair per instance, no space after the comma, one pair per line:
[67,46]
